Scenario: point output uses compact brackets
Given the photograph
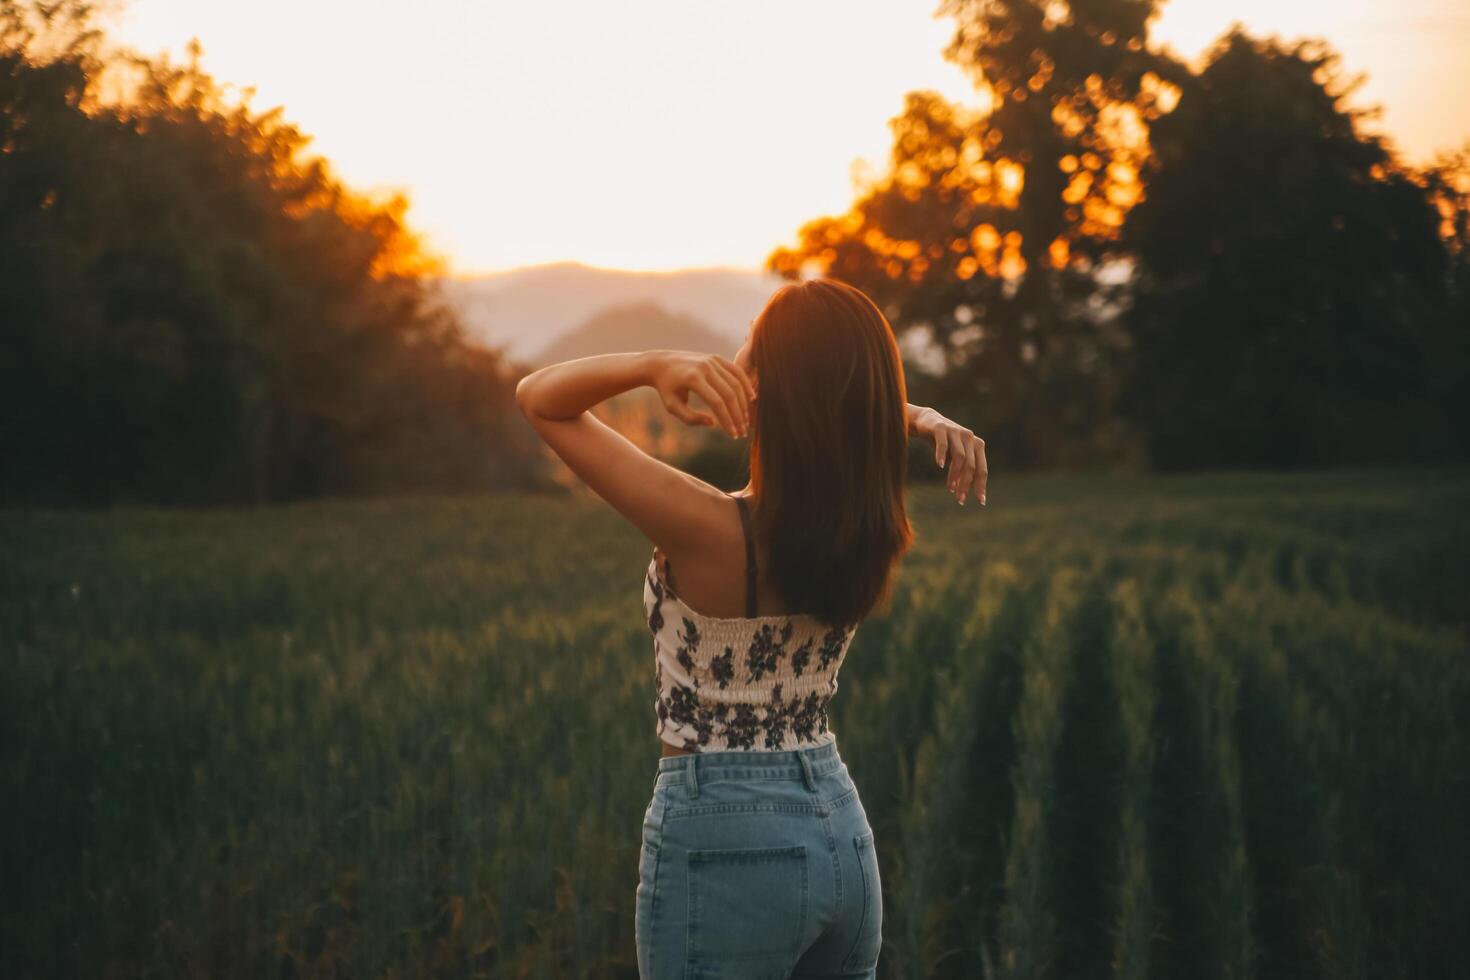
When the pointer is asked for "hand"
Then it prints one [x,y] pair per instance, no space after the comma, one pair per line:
[952,441]
[718,380]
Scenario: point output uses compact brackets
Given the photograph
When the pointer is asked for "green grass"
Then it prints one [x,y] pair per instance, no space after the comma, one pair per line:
[1205,726]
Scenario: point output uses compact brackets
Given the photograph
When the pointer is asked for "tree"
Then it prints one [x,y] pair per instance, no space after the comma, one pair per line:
[196,311]
[1447,182]
[1290,274]
[992,226]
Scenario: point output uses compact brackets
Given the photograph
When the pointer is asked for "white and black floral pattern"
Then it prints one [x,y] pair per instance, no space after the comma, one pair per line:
[751,682]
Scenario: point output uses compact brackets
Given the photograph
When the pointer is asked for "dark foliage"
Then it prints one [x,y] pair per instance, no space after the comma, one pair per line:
[1290,307]
[194,312]
[1122,263]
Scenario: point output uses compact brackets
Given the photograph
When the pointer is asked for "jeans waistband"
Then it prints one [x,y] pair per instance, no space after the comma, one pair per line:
[803,763]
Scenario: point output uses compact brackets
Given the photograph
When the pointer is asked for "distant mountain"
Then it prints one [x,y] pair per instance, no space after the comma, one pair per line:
[524,311]
[643,325]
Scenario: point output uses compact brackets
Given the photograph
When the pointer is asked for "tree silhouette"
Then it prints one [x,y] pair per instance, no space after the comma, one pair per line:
[195,311]
[1121,261]
[1291,274]
[991,229]
[1447,181]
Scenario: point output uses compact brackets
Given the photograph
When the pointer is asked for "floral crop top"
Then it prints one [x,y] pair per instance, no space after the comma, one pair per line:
[757,683]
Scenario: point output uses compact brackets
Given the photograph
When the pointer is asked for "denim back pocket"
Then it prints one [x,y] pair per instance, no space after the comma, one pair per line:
[747,904]
[869,941]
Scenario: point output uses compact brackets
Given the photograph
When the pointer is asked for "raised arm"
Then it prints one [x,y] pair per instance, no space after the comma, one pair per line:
[677,511]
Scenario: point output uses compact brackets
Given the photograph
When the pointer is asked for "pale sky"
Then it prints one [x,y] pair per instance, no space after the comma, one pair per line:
[667,134]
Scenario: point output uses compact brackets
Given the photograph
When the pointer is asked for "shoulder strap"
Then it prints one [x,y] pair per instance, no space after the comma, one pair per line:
[749,556]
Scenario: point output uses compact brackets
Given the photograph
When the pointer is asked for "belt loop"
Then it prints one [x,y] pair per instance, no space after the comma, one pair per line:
[806,770]
[691,777]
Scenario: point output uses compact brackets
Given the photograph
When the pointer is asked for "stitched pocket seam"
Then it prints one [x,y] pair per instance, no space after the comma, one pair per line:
[820,809]
[862,842]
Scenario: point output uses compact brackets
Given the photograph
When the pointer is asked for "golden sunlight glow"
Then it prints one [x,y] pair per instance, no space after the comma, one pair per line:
[668,134]
[1059,251]
[656,135]
[1011,177]
[985,238]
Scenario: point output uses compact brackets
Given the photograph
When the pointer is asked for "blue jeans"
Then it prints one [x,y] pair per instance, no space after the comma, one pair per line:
[757,864]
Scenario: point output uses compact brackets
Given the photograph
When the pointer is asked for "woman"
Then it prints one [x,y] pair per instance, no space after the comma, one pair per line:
[758,860]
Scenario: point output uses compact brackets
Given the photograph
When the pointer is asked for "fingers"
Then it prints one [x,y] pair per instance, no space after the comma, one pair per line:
[969,471]
[972,465]
[962,467]
[744,392]
[716,399]
[955,454]
[725,388]
[965,452]
[684,413]
[745,383]
[982,472]
[735,401]
[731,384]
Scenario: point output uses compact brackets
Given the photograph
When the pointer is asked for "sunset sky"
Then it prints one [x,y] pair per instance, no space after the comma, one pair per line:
[665,134]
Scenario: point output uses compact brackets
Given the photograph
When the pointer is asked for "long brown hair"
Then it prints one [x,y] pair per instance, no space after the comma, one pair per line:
[829,449]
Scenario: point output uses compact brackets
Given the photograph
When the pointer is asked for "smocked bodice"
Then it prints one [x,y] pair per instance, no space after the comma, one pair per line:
[757,683]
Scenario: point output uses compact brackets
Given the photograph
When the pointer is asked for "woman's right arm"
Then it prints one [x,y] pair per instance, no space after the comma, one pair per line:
[952,441]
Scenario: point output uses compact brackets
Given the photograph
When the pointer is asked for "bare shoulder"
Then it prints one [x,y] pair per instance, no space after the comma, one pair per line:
[709,560]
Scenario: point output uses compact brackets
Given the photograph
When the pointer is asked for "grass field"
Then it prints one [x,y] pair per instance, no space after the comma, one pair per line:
[1187,727]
